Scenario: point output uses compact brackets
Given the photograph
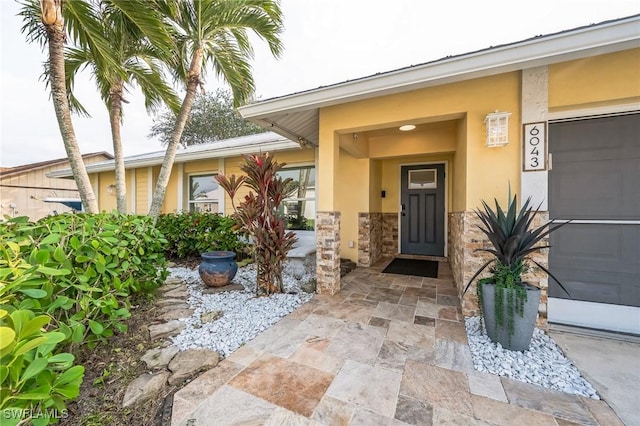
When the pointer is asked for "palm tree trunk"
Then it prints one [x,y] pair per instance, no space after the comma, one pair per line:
[181,120]
[56,39]
[115,117]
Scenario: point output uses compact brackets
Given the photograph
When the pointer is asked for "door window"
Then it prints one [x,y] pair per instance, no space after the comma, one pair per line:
[423,179]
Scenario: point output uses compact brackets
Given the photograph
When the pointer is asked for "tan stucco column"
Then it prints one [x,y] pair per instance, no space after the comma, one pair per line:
[328,216]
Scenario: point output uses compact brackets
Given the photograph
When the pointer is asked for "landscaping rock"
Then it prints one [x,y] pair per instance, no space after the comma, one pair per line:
[172,280]
[174,307]
[181,291]
[159,357]
[309,286]
[175,314]
[171,328]
[170,287]
[229,287]
[211,316]
[144,387]
[186,364]
[165,302]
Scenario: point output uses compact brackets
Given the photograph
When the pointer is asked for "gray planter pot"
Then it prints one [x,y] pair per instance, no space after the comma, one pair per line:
[523,326]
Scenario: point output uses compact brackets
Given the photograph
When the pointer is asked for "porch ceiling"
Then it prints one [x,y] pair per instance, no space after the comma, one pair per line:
[301,126]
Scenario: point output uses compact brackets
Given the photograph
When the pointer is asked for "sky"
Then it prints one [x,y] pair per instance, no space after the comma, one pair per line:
[325,41]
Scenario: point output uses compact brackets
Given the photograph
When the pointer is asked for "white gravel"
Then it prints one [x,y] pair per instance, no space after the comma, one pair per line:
[244,315]
[543,364]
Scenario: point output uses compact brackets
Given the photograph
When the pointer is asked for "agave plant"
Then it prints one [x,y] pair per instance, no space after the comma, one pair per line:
[257,216]
[513,241]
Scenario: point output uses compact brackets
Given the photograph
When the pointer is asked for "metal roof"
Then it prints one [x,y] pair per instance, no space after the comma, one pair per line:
[24,168]
[260,142]
[295,116]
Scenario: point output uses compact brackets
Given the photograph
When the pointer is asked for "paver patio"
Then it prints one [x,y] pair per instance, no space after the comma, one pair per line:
[386,350]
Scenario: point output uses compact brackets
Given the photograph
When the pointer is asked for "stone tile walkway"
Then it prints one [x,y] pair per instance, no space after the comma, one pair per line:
[386,350]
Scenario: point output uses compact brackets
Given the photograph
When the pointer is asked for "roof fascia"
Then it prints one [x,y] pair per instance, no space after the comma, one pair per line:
[588,41]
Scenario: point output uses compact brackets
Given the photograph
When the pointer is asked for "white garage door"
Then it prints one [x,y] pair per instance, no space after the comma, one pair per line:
[595,182]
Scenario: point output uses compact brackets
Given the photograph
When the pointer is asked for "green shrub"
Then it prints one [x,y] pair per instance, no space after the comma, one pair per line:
[35,377]
[35,382]
[190,234]
[87,266]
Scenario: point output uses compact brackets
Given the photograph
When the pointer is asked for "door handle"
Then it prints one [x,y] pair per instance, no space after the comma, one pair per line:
[403,209]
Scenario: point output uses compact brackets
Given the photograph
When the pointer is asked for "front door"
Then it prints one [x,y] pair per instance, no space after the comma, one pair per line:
[422,210]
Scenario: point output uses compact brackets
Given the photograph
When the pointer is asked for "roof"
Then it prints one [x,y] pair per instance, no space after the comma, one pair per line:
[25,168]
[295,116]
[261,142]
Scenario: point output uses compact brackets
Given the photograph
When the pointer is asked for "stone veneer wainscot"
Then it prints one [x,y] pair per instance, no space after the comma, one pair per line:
[377,237]
[465,237]
[328,252]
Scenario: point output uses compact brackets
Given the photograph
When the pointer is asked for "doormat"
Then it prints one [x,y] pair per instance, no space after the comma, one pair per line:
[417,267]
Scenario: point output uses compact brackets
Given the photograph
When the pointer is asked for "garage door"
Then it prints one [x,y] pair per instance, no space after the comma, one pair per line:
[595,182]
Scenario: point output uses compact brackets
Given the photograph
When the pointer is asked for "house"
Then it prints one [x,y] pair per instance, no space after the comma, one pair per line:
[397,162]
[404,157]
[27,191]
[192,186]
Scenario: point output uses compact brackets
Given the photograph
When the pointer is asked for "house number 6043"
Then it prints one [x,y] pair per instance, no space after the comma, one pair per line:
[535,147]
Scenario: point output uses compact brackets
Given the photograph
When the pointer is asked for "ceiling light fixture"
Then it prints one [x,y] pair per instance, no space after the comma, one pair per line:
[407,127]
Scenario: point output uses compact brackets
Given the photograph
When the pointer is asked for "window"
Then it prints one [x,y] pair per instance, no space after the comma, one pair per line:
[204,194]
[423,179]
[300,206]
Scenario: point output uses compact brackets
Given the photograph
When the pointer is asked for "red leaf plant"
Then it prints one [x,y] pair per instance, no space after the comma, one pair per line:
[257,216]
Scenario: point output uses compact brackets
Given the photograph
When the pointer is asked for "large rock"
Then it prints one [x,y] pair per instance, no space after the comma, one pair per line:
[159,357]
[188,363]
[174,314]
[166,302]
[179,292]
[168,308]
[145,387]
[171,328]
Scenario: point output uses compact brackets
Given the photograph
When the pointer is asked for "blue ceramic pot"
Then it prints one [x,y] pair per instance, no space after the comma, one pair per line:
[218,268]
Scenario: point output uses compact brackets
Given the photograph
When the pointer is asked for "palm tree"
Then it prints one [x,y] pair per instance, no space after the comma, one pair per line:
[44,22]
[49,22]
[214,33]
[138,62]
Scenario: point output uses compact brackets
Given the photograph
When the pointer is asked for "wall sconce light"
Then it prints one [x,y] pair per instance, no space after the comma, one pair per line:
[111,189]
[497,128]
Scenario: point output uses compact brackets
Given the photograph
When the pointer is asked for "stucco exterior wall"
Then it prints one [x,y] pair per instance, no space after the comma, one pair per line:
[486,170]
[143,180]
[596,81]
[352,197]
